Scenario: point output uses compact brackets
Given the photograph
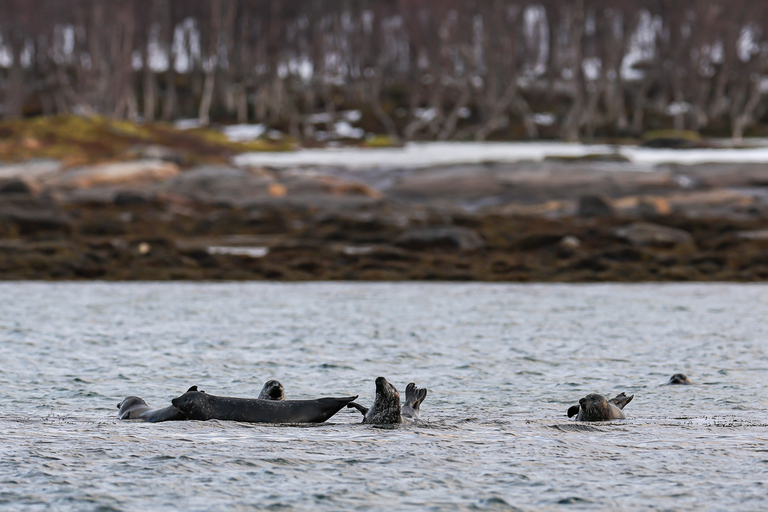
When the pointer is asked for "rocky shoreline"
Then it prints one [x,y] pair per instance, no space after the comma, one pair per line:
[558,220]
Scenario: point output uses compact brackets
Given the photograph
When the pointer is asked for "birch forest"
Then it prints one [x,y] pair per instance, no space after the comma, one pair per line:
[408,69]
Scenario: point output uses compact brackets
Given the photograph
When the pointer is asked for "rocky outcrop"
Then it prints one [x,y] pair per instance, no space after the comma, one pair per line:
[645,234]
[220,185]
[135,172]
[32,173]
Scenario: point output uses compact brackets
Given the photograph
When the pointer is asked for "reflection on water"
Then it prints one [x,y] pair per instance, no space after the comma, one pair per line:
[502,363]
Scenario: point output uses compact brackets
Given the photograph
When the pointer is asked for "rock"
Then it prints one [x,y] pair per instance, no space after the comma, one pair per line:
[219,184]
[130,197]
[570,242]
[595,206]
[326,185]
[14,186]
[156,152]
[644,234]
[468,182]
[463,239]
[648,206]
[32,216]
[33,173]
[140,171]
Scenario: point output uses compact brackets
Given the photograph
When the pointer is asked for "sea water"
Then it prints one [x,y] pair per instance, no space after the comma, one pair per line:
[502,364]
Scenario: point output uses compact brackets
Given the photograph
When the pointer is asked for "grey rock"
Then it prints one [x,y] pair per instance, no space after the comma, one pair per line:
[595,206]
[219,184]
[645,234]
[460,238]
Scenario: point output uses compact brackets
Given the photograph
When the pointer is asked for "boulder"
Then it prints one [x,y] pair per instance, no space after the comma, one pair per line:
[645,234]
[595,206]
[468,182]
[219,184]
[139,171]
[14,186]
[463,239]
[34,215]
[32,173]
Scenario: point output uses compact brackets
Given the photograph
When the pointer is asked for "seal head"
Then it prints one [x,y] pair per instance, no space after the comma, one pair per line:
[679,378]
[272,390]
[135,408]
[594,407]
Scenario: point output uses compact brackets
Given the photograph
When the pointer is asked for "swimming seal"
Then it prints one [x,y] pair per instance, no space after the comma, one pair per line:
[196,405]
[135,408]
[386,408]
[594,407]
[679,378]
[272,390]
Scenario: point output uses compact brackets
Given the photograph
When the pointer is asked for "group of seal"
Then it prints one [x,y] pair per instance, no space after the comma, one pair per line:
[594,407]
[272,407]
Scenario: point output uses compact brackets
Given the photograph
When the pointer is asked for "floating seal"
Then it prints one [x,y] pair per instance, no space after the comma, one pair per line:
[196,405]
[272,390]
[594,407]
[135,408]
[386,408]
[679,378]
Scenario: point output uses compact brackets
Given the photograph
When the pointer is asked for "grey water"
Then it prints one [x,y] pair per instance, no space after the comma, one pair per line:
[502,364]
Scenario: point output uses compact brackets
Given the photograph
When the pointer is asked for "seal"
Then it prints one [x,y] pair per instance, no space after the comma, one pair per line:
[272,390]
[679,378]
[197,405]
[135,408]
[386,408]
[594,407]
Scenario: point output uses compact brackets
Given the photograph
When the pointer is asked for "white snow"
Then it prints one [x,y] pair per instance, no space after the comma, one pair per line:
[244,132]
[416,155]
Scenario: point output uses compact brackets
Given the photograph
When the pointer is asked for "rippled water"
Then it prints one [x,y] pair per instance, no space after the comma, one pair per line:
[502,364]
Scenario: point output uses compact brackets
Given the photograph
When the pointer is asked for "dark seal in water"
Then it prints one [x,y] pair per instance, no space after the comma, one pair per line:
[196,405]
[386,408]
[594,407]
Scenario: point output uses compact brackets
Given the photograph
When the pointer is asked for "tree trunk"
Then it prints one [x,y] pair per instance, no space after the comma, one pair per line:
[204,114]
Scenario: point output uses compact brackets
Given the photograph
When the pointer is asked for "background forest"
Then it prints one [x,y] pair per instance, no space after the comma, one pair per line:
[410,69]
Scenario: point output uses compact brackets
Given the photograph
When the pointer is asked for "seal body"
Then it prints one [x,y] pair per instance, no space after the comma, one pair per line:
[196,405]
[679,378]
[272,390]
[135,408]
[413,398]
[594,407]
[386,406]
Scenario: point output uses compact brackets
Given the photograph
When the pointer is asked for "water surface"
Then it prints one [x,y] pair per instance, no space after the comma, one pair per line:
[502,364]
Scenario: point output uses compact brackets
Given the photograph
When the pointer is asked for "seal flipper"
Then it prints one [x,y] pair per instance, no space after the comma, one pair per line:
[414,396]
[355,405]
[573,410]
[620,400]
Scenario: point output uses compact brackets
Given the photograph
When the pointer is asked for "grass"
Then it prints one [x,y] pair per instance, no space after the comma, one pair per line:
[78,140]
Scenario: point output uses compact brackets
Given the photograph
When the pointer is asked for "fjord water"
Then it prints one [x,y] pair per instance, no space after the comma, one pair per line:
[502,364]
